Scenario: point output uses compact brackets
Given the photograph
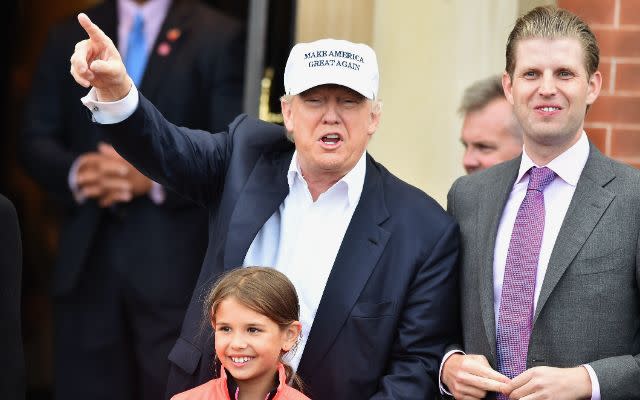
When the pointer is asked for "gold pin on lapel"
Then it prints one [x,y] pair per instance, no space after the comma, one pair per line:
[173,34]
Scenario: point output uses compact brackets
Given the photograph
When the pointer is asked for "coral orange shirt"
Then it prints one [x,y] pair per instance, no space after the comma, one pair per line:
[216,389]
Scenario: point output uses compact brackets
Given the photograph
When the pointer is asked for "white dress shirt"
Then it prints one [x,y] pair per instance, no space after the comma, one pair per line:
[302,238]
[568,167]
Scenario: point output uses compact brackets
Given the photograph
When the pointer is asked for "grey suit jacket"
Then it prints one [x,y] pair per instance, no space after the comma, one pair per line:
[589,305]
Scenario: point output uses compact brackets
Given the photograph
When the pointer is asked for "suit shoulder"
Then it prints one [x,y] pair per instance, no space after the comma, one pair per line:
[410,203]
[251,131]
[626,182]
[626,172]
[480,179]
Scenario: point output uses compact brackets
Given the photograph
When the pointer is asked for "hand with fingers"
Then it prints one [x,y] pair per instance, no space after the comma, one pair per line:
[551,383]
[137,184]
[102,178]
[469,376]
[108,178]
[96,62]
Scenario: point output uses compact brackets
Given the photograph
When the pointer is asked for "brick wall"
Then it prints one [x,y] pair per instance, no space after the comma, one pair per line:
[613,123]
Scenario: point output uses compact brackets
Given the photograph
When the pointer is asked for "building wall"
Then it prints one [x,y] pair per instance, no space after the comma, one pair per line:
[430,51]
[613,123]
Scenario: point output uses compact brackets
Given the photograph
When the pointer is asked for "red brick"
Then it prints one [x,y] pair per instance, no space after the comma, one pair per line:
[605,70]
[615,109]
[628,77]
[630,12]
[625,143]
[591,11]
[598,137]
[619,43]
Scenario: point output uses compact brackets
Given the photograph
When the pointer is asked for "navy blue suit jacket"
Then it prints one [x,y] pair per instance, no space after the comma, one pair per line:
[390,304]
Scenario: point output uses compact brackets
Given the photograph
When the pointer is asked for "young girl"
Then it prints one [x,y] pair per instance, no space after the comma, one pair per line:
[254,312]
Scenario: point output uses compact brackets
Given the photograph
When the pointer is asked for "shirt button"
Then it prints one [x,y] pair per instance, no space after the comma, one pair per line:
[95,108]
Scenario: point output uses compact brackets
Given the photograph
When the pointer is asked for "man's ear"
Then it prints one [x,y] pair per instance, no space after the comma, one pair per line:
[507,87]
[375,121]
[287,114]
[595,84]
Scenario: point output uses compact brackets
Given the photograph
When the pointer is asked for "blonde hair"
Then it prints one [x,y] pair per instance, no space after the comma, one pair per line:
[263,290]
[550,22]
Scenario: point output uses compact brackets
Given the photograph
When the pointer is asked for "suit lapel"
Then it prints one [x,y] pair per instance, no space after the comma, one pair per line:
[589,202]
[166,49]
[264,191]
[489,215]
[363,243]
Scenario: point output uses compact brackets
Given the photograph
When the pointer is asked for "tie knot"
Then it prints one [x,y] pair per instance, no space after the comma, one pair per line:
[540,178]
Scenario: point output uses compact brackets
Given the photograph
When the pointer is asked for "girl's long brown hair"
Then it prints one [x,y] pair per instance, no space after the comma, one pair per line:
[263,290]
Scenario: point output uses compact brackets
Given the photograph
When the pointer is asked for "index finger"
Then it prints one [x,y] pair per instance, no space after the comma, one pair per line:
[486,371]
[108,150]
[521,379]
[94,32]
[486,384]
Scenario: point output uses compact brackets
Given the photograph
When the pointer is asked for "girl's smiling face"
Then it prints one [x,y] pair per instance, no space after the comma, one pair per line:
[249,344]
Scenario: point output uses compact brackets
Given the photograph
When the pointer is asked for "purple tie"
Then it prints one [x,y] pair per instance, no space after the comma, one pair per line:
[516,305]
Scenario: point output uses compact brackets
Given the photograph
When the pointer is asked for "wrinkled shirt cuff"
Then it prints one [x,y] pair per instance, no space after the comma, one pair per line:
[111,112]
[443,388]
[595,384]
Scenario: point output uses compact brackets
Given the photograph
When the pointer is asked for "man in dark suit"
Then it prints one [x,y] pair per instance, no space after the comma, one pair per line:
[372,258]
[12,360]
[550,240]
[130,249]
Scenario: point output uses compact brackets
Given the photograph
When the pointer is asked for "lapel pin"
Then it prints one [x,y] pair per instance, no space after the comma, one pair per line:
[164,49]
[173,34]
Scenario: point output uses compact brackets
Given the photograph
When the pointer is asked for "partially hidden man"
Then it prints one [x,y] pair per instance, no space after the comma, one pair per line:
[372,258]
[550,264]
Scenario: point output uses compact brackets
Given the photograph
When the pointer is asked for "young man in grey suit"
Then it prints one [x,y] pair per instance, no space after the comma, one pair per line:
[550,267]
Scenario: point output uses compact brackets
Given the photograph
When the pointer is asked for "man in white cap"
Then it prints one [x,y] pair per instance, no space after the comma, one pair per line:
[372,258]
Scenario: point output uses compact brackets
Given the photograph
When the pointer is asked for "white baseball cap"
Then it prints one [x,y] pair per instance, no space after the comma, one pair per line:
[332,61]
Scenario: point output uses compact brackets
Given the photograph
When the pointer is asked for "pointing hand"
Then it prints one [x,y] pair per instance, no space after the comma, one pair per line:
[96,62]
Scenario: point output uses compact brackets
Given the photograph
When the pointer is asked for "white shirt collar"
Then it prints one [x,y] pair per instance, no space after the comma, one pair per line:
[353,180]
[568,165]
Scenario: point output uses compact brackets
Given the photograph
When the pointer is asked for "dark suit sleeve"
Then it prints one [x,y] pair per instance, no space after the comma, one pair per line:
[428,324]
[190,162]
[12,378]
[221,70]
